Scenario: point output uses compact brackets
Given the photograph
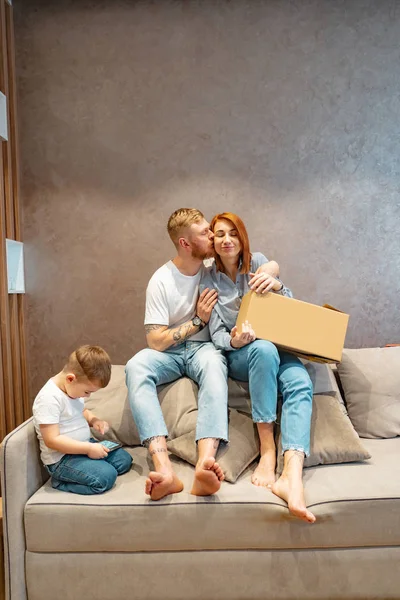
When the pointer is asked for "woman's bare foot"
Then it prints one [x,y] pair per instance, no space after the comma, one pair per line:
[159,485]
[264,475]
[290,488]
[207,478]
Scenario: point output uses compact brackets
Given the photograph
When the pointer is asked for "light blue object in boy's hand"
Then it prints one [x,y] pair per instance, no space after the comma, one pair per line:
[110,445]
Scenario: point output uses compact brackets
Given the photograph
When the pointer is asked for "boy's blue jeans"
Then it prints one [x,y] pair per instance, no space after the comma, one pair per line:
[200,361]
[79,474]
[268,372]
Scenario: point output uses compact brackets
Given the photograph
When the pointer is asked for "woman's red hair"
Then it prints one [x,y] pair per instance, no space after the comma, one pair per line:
[238,224]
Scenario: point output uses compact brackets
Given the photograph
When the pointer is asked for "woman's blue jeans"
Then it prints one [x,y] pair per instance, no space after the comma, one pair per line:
[79,474]
[268,372]
[200,361]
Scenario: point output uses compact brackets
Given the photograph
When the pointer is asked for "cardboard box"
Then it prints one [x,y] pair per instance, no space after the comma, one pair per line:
[313,332]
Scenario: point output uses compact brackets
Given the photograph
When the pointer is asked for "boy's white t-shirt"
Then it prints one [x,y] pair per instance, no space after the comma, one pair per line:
[52,406]
[171,299]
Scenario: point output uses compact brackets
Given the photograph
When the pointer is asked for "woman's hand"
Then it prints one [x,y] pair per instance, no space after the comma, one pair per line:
[206,302]
[238,340]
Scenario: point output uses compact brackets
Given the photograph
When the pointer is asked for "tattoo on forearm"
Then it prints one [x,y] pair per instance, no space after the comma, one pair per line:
[183,332]
[177,334]
[152,452]
[149,328]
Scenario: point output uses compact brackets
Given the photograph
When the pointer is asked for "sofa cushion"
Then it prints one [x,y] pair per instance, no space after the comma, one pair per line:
[178,402]
[177,399]
[243,447]
[356,505]
[179,405]
[321,375]
[111,404]
[333,438]
[371,384]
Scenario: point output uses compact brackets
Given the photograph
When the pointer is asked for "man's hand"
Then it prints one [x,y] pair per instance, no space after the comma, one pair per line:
[97,451]
[161,337]
[238,340]
[100,426]
[261,283]
[206,302]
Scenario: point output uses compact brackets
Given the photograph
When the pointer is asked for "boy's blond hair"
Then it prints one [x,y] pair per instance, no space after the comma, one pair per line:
[182,219]
[90,362]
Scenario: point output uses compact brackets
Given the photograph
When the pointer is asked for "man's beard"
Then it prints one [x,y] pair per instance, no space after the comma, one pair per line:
[200,253]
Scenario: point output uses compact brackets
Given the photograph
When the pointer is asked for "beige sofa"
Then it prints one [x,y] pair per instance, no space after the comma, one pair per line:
[241,544]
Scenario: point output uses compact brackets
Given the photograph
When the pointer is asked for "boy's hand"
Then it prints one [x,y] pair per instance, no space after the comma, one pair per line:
[100,426]
[238,340]
[97,451]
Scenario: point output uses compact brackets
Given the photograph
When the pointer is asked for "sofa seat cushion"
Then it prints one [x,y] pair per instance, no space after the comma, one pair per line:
[356,504]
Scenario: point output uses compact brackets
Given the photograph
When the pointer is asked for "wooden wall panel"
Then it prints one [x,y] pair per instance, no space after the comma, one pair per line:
[5,336]
[14,397]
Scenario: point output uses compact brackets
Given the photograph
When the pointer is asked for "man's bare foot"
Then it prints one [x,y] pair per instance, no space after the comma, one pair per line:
[291,490]
[264,475]
[207,478]
[159,485]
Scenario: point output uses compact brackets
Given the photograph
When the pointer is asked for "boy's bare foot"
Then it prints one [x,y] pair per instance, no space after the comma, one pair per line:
[207,478]
[290,488]
[159,485]
[264,475]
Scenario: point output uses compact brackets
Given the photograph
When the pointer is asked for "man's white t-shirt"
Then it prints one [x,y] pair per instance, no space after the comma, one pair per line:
[52,406]
[171,299]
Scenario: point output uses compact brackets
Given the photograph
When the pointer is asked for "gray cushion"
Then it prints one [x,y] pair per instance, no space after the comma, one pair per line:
[233,458]
[371,384]
[350,503]
[333,438]
[321,375]
[179,405]
[111,404]
[178,402]
[177,399]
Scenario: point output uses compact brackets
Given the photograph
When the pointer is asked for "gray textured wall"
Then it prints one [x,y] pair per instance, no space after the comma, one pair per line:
[284,112]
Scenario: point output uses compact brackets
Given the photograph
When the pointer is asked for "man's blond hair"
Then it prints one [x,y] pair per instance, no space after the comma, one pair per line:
[182,219]
[90,362]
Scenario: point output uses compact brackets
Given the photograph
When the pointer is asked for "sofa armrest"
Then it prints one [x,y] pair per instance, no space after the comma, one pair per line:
[22,474]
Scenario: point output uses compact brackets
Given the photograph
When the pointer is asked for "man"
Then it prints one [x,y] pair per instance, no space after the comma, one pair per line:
[179,344]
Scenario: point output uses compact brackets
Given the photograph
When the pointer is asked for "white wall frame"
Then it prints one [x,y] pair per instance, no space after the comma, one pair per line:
[3,118]
[15,267]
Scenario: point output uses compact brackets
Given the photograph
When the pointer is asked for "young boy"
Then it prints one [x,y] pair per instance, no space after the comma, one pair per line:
[76,462]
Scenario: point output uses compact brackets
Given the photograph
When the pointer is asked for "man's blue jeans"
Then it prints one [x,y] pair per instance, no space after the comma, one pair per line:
[200,361]
[268,372]
[79,474]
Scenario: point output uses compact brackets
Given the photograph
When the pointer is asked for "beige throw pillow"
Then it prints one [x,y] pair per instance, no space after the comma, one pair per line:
[179,406]
[111,404]
[371,383]
[321,375]
[233,458]
[333,438]
[177,399]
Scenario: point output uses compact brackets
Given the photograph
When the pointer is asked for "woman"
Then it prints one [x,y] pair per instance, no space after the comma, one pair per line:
[267,369]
